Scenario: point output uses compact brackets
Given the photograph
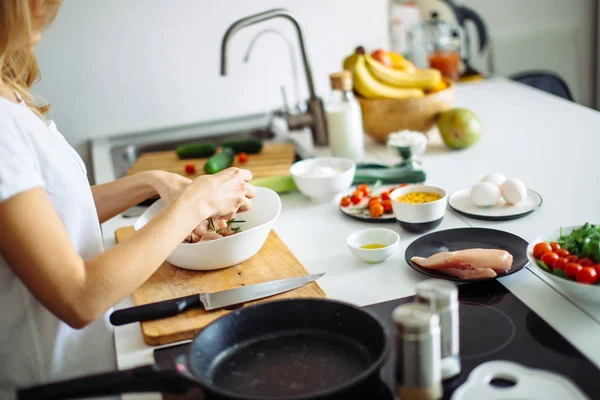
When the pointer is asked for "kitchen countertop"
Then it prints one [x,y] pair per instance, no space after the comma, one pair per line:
[528,134]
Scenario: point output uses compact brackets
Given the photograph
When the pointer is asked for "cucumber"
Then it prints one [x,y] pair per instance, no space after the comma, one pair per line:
[390,175]
[196,150]
[250,146]
[219,161]
[279,184]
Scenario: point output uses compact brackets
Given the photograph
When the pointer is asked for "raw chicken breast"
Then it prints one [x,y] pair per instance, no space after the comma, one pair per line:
[468,264]
[210,235]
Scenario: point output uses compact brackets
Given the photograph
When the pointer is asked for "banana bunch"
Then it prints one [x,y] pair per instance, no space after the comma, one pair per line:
[387,75]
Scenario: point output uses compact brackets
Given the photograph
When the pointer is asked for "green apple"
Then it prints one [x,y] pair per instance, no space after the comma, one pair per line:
[459,128]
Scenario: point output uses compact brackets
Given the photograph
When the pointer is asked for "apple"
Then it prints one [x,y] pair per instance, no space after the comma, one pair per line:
[383,57]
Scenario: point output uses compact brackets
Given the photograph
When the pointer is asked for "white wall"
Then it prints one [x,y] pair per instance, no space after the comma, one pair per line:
[556,35]
[112,66]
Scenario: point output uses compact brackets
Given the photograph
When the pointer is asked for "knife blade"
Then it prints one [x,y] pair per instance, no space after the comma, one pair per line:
[208,301]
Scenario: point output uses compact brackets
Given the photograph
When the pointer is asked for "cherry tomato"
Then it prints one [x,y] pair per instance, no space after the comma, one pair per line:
[572,259]
[560,263]
[541,248]
[549,258]
[345,202]
[562,253]
[190,169]
[376,210]
[597,268]
[587,275]
[385,195]
[242,158]
[358,193]
[387,205]
[373,200]
[404,185]
[365,189]
[355,199]
[572,269]
[586,262]
[555,246]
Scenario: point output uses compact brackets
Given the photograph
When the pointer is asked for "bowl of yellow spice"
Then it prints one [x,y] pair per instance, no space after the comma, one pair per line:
[419,208]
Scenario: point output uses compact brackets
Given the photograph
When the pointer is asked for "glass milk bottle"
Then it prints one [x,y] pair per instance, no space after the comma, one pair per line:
[344,119]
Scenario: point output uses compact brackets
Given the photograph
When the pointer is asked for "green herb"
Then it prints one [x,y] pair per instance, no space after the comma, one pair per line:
[543,266]
[235,221]
[211,224]
[561,273]
[582,242]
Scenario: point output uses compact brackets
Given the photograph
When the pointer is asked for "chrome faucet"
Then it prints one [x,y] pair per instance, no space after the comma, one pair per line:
[314,117]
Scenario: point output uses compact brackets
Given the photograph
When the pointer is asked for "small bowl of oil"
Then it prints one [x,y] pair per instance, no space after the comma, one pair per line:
[373,245]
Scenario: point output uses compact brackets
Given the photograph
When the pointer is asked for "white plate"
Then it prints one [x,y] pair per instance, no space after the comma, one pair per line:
[531,384]
[361,211]
[460,201]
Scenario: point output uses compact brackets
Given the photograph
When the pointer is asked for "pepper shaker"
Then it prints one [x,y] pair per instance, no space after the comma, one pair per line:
[418,353]
[442,297]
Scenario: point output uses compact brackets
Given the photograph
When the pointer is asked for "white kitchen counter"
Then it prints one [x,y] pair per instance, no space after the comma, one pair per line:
[549,143]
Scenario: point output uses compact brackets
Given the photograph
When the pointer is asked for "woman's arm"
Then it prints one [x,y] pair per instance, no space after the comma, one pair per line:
[113,198]
[78,291]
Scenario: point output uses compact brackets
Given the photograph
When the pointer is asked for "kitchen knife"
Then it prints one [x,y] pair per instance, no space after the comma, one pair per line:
[208,301]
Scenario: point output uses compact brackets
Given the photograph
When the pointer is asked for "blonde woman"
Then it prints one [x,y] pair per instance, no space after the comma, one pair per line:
[56,282]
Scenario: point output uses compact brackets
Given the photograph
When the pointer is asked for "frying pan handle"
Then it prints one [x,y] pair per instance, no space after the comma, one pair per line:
[148,378]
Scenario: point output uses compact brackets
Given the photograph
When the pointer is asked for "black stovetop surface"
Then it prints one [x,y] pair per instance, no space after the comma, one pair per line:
[494,325]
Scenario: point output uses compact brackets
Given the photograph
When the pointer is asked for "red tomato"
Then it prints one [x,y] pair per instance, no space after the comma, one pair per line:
[355,199]
[562,253]
[404,185]
[385,195]
[373,200]
[387,205]
[572,269]
[541,248]
[365,189]
[243,158]
[560,263]
[572,259]
[376,210]
[358,193]
[586,262]
[345,202]
[549,258]
[190,169]
[587,275]
[555,246]
[597,268]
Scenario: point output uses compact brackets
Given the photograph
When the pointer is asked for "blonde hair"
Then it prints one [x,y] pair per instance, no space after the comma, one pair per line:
[19,66]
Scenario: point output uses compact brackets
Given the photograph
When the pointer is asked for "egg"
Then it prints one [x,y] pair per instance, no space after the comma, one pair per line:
[495,178]
[513,191]
[485,194]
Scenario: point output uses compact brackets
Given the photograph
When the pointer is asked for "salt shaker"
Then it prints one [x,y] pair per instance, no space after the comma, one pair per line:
[442,297]
[417,336]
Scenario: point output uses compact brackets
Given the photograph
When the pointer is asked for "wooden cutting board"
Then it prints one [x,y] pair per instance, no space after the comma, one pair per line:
[274,261]
[275,159]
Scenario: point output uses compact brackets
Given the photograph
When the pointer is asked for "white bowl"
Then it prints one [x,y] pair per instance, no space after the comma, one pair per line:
[385,237]
[323,188]
[579,290]
[230,250]
[419,218]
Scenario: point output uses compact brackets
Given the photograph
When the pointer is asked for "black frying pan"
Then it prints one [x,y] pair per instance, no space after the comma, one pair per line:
[297,349]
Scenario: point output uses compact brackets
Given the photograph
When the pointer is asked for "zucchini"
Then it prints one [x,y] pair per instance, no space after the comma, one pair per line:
[249,146]
[279,184]
[219,161]
[196,150]
[390,175]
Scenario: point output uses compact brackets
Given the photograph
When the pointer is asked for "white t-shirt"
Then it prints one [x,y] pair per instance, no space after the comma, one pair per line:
[35,346]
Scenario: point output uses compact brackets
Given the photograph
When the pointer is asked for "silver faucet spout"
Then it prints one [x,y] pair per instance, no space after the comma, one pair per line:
[266,15]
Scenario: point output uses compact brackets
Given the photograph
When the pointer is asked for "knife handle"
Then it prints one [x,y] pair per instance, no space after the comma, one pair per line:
[158,310]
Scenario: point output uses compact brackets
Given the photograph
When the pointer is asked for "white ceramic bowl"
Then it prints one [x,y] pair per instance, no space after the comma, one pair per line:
[419,218]
[385,237]
[230,250]
[578,290]
[323,188]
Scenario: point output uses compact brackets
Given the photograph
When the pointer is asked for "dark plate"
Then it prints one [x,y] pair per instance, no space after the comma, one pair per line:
[467,238]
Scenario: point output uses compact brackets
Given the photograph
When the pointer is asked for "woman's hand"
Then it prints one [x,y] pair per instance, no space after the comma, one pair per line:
[168,184]
[221,195]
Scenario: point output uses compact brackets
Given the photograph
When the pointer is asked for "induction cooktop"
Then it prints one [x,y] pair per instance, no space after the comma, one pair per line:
[494,325]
